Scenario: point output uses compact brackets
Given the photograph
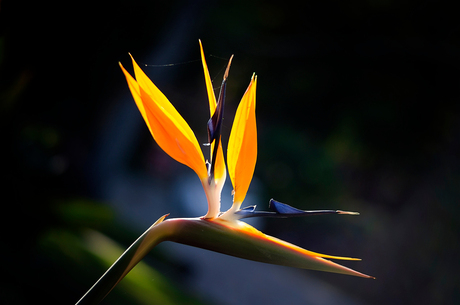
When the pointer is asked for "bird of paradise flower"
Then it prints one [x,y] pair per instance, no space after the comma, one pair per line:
[216,231]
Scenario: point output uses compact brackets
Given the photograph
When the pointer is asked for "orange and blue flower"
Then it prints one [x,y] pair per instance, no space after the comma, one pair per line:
[218,231]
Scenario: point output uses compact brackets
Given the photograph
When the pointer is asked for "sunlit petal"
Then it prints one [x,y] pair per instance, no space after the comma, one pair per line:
[219,170]
[166,125]
[242,145]
[207,78]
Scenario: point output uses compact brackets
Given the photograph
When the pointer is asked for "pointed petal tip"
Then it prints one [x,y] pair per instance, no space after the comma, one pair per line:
[228,67]
[201,45]
[352,259]
[132,58]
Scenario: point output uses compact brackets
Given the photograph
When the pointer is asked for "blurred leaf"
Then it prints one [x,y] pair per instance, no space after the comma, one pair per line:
[91,253]
[85,213]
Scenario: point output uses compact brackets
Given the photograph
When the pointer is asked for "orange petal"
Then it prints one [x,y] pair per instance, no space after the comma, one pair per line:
[166,125]
[207,78]
[219,170]
[242,145]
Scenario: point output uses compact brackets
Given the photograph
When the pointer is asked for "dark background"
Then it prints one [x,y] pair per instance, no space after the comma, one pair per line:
[357,109]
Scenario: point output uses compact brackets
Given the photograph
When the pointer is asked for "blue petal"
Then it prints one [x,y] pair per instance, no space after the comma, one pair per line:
[215,122]
[288,211]
[282,210]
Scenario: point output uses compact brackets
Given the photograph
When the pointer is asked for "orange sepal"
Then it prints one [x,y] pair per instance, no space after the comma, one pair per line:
[168,128]
[242,145]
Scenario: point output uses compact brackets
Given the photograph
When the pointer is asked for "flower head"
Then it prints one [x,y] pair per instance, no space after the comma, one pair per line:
[175,137]
[216,231]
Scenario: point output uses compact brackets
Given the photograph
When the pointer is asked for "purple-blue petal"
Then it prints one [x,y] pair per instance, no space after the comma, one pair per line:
[281,210]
